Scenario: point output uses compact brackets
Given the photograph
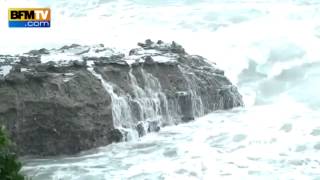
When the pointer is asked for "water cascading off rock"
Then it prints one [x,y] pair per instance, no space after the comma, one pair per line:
[75,98]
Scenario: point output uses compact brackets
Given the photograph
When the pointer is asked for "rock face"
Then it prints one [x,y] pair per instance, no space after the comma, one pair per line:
[79,97]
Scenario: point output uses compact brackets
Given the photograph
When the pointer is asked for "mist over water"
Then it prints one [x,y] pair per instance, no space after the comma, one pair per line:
[269,48]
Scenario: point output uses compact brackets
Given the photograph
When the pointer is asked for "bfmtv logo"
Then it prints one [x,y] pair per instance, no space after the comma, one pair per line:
[29,17]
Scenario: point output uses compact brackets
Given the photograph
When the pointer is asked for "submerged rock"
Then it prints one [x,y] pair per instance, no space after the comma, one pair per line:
[141,130]
[153,126]
[75,98]
[115,135]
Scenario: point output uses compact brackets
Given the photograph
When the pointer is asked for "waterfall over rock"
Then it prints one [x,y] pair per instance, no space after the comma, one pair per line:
[66,100]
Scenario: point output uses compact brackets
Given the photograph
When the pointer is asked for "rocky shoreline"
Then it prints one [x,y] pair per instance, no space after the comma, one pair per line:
[63,101]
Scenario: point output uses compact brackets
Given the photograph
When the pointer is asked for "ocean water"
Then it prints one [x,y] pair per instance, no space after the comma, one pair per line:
[238,144]
[268,48]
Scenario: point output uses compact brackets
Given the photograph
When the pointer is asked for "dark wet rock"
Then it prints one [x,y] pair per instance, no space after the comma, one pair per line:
[160,42]
[29,60]
[187,118]
[38,52]
[69,47]
[219,71]
[47,67]
[140,129]
[163,47]
[78,64]
[115,135]
[177,48]
[230,97]
[101,61]
[61,107]
[186,106]
[47,116]
[148,44]
[148,60]
[153,126]
[132,52]
[101,49]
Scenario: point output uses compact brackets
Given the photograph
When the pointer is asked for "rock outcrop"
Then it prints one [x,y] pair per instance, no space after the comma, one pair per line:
[66,100]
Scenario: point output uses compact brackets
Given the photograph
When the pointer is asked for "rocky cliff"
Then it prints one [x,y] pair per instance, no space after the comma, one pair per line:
[66,100]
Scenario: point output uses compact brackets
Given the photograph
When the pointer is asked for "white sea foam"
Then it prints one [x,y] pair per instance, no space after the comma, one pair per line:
[239,144]
[5,70]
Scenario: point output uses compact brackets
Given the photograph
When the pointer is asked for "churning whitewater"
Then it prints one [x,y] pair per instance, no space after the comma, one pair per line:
[239,144]
[270,49]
